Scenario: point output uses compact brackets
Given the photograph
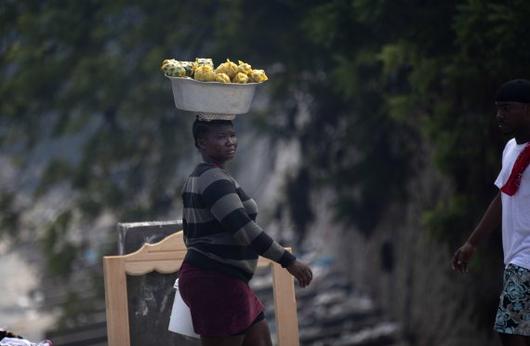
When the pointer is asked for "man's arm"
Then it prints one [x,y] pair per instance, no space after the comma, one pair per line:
[490,220]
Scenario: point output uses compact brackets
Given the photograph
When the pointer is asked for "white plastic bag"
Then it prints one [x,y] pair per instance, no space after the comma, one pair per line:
[23,342]
[180,319]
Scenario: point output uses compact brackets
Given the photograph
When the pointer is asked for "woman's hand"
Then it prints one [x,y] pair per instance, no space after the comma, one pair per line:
[301,272]
[462,257]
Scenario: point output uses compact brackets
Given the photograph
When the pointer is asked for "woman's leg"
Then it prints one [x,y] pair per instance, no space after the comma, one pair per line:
[258,335]
[236,340]
[514,340]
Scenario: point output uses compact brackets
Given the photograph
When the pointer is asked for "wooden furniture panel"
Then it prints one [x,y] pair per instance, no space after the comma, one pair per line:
[166,257]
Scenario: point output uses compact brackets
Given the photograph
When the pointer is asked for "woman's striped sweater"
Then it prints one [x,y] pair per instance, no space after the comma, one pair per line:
[220,231]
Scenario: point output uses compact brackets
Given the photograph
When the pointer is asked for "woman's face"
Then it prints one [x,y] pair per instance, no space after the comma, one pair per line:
[220,143]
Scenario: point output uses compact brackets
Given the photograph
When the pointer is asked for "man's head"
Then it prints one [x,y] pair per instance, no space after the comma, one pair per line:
[517,90]
[513,107]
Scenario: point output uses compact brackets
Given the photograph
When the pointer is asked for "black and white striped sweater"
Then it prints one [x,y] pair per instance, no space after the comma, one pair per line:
[220,231]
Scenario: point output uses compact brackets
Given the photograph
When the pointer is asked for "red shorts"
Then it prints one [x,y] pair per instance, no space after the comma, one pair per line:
[220,305]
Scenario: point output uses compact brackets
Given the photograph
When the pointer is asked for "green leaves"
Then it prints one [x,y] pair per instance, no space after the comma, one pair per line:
[60,251]
[502,26]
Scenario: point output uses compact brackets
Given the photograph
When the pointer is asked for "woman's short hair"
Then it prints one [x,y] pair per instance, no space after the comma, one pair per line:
[202,127]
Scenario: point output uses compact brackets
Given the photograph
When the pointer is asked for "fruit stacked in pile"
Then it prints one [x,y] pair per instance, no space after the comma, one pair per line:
[202,69]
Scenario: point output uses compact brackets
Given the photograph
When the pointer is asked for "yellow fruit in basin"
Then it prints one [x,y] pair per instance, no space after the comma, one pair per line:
[240,77]
[204,73]
[222,78]
[243,67]
[258,76]
[228,67]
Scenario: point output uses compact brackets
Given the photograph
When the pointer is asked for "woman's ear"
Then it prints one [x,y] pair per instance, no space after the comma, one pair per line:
[201,143]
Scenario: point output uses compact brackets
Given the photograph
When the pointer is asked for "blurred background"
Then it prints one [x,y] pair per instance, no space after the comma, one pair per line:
[372,150]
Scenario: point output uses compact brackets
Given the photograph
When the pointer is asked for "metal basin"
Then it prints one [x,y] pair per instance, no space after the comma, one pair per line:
[211,97]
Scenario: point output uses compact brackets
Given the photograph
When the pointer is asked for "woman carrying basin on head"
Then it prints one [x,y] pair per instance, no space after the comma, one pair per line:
[224,243]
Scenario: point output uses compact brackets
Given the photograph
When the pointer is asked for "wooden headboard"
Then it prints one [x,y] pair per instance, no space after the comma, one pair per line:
[166,257]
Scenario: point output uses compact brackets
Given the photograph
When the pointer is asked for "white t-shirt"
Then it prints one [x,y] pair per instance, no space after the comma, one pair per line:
[515,210]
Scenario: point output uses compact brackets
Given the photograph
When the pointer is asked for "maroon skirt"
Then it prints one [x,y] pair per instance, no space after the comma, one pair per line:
[220,305]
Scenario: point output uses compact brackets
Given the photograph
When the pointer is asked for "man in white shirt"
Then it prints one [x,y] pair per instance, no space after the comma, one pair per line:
[511,206]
